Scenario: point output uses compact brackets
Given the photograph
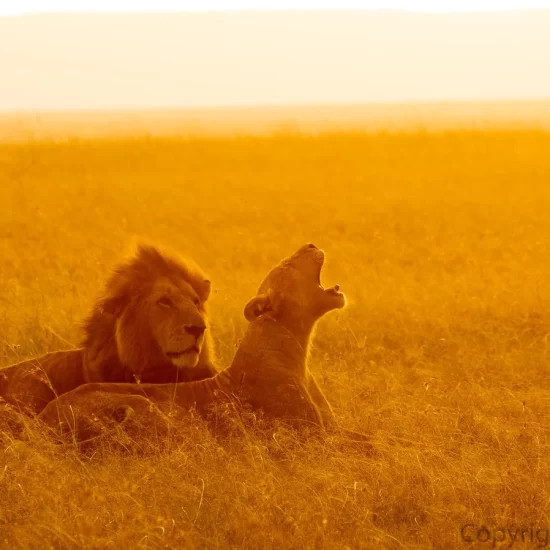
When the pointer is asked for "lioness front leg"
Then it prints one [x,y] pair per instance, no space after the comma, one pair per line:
[292,404]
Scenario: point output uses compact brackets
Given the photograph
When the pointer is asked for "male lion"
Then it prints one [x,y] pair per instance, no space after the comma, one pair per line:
[149,325]
[269,371]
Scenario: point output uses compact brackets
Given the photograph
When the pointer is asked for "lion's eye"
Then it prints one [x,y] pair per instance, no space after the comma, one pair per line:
[165,301]
[197,302]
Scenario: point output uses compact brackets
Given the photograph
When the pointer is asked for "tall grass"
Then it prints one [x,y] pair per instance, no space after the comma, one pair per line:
[441,242]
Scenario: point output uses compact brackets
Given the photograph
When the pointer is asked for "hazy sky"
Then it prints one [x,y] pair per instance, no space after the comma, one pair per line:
[29,6]
[252,58]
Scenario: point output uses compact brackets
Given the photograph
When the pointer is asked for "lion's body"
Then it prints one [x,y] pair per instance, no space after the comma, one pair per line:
[269,371]
[123,333]
[32,384]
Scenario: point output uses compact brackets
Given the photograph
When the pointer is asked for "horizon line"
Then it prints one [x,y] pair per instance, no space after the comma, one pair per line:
[253,106]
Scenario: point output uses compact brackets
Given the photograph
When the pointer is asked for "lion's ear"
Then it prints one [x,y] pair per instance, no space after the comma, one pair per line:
[114,305]
[257,306]
[117,295]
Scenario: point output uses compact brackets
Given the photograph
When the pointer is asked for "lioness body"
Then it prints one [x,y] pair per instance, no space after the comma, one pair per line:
[273,382]
[269,371]
[149,325]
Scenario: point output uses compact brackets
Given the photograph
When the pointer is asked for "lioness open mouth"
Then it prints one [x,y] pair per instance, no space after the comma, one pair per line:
[335,290]
[176,354]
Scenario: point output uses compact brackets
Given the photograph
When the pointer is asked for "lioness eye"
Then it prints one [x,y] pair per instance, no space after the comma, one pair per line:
[197,302]
[165,301]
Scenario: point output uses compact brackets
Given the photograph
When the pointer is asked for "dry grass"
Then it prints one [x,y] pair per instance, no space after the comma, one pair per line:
[441,241]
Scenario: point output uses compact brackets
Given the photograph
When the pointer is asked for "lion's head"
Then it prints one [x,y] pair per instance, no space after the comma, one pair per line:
[154,312]
[292,290]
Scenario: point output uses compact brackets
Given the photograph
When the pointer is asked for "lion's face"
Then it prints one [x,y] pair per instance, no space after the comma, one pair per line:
[293,288]
[163,325]
[177,321]
[150,323]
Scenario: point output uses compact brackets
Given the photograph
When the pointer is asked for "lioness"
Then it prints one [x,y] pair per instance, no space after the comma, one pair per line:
[149,325]
[269,371]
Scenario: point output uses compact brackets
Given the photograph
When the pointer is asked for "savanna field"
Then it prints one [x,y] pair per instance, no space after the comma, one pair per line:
[441,241]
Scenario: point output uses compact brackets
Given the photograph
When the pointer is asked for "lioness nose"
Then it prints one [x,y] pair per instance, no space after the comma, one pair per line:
[195,330]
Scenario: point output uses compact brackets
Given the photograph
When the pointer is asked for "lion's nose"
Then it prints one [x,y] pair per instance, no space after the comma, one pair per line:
[195,330]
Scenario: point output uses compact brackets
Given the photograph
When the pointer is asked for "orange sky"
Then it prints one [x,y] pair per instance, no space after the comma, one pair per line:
[248,58]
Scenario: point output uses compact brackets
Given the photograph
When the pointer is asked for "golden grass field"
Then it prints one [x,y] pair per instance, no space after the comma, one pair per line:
[441,241]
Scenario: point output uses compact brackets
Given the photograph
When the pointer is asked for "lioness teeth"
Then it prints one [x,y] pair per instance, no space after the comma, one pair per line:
[335,289]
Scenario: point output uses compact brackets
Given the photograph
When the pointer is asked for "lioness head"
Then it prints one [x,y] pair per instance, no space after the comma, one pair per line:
[157,305]
[292,290]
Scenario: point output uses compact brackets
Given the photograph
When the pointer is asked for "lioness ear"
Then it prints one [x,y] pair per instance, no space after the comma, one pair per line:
[257,306]
[206,288]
